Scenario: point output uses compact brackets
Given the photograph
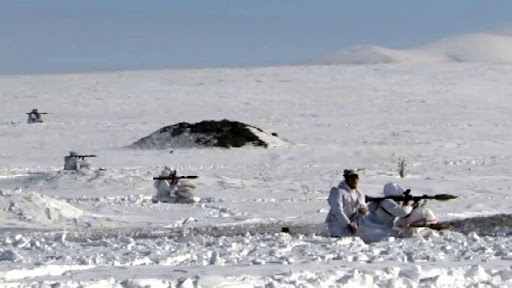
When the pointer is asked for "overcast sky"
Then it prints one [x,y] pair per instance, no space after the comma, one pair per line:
[48,36]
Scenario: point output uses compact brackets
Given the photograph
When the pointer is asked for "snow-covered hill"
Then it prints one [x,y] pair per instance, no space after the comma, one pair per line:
[470,48]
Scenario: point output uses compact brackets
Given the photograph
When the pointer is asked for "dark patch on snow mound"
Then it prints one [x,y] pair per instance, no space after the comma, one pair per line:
[490,225]
[208,133]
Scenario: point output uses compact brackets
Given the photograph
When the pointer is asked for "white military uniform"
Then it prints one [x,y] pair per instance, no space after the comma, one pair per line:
[71,161]
[84,164]
[388,218]
[177,191]
[345,203]
[34,117]
[165,187]
[418,217]
[185,192]
[383,214]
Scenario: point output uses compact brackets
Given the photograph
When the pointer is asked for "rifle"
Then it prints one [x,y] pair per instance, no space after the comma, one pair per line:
[408,197]
[82,156]
[42,113]
[174,177]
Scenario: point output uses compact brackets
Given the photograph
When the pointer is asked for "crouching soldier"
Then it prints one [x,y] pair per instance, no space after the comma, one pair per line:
[347,206]
[34,117]
[76,162]
[166,185]
[185,192]
[172,189]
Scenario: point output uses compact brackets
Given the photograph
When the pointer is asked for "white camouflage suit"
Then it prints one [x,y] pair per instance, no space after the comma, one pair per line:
[34,117]
[344,204]
[174,191]
[72,162]
[387,214]
[185,192]
[165,187]
[379,223]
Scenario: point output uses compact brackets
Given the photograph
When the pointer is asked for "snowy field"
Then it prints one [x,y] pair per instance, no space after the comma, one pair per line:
[450,122]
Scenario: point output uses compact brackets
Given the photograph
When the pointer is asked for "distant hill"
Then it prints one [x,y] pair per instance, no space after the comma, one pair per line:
[468,48]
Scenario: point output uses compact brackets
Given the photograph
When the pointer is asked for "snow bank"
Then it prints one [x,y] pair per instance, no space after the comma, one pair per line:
[224,133]
[48,270]
[271,260]
[36,208]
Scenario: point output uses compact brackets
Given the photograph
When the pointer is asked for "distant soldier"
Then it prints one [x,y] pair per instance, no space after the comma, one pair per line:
[185,192]
[75,162]
[165,187]
[172,189]
[34,117]
[71,161]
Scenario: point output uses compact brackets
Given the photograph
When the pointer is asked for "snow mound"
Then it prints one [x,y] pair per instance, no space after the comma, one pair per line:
[469,48]
[224,134]
[34,207]
[485,225]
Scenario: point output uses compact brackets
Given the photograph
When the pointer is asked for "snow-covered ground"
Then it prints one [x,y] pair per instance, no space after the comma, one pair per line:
[450,122]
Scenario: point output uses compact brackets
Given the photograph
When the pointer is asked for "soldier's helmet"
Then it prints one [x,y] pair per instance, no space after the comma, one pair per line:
[166,173]
[393,189]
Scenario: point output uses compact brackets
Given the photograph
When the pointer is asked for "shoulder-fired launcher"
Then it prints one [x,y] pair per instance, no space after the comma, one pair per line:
[174,177]
[408,197]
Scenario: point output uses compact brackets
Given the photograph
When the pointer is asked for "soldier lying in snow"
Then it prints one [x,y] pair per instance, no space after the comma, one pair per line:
[172,189]
[393,218]
[385,212]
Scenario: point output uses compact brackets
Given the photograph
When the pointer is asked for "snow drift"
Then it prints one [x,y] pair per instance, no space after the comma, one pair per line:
[224,133]
[33,207]
[469,48]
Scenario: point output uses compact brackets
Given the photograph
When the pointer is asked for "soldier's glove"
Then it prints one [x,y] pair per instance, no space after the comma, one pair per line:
[352,228]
